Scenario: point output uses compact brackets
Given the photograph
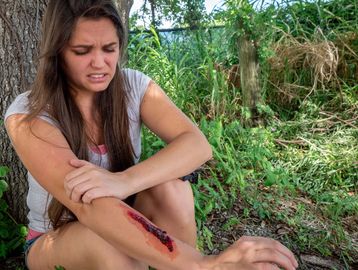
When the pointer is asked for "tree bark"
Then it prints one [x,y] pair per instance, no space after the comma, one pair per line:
[124,7]
[249,74]
[20,26]
[19,31]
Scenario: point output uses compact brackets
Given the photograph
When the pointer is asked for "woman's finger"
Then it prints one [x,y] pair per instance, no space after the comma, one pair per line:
[94,193]
[263,243]
[80,190]
[81,165]
[275,257]
[75,173]
[266,266]
[70,184]
[285,251]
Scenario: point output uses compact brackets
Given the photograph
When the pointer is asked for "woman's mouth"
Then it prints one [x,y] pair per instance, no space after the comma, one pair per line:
[98,77]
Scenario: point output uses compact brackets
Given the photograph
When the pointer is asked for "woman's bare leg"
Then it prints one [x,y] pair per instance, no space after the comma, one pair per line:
[74,247]
[171,207]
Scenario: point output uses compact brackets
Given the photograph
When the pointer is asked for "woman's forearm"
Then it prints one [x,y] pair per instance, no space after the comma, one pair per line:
[179,158]
[183,155]
[130,232]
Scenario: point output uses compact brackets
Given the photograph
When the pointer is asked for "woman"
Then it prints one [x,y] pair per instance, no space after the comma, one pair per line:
[78,133]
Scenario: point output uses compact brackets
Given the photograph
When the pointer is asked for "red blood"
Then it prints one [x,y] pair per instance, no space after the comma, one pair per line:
[158,233]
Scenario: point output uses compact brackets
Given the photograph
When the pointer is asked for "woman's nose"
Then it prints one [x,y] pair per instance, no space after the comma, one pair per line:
[98,60]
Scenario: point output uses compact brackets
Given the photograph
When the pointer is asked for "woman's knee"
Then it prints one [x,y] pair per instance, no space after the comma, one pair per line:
[174,199]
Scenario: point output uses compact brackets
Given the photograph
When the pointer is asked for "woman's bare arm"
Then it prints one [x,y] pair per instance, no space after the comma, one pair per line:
[186,149]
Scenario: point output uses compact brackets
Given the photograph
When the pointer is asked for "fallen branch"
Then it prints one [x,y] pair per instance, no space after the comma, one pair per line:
[285,142]
[347,122]
[315,260]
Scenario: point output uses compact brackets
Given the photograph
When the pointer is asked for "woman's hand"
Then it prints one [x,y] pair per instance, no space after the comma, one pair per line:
[89,182]
[253,253]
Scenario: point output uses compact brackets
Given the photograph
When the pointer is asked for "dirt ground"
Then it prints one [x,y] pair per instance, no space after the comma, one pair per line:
[254,227]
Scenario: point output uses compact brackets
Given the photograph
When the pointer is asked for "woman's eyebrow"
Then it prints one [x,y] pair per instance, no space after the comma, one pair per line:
[110,44]
[81,46]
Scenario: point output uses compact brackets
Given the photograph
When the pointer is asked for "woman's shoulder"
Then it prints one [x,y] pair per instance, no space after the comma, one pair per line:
[137,81]
[134,76]
[19,105]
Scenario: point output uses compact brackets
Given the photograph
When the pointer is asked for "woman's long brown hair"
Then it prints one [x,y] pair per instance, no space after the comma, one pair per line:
[50,93]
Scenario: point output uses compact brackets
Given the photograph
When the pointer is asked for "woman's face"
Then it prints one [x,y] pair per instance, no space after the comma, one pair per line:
[91,55]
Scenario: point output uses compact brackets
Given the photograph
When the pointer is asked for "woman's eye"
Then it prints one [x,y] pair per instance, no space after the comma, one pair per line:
[80,52]
[109,50]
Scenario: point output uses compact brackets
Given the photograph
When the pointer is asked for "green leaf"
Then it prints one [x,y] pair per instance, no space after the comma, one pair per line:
[209,207]
[23,231]
[3,186]
[271,179]
[3,204]
[3,171]
[4,233]
[2,250]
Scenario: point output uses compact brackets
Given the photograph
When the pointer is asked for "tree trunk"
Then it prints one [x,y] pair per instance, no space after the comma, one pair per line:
[19,31]
[249,74]
[20,26]
[124,7]
[153,7]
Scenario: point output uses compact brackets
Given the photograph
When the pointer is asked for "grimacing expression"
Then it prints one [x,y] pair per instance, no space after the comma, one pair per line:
[91,55]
